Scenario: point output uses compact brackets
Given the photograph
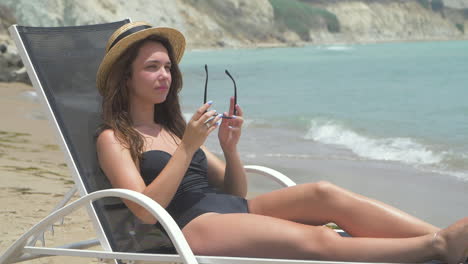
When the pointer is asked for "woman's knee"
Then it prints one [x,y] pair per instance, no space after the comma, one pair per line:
[324,190]
[326,196]
[320,242]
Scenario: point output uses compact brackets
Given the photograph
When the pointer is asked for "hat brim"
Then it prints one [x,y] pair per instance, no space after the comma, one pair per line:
[175,38]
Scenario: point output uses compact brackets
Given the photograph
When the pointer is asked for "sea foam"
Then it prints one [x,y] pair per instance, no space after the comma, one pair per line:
[339,48]
[399,149]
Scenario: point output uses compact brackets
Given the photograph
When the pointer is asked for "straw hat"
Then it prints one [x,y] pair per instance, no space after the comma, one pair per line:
[130,33]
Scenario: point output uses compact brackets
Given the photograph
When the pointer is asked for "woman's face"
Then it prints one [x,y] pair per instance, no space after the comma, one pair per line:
[151,74]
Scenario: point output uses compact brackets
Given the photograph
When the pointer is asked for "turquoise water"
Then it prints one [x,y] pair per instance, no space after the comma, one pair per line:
[396,102]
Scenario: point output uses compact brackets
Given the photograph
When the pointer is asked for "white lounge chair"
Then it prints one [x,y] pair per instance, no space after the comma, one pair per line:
[62,64]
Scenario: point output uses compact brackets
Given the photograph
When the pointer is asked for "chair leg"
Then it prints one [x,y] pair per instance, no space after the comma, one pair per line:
[62,203]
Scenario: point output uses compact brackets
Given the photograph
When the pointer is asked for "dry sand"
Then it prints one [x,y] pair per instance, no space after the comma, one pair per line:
[33,174]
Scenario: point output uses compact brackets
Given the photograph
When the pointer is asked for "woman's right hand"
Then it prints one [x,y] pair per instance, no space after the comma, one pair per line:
[200,126]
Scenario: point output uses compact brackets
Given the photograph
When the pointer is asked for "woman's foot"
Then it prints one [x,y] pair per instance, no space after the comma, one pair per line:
[452,242]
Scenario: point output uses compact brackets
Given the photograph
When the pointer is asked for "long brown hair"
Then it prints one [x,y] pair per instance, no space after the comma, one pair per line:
[116,104]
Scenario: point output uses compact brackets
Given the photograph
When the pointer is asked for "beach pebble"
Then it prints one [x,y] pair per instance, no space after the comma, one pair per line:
[11,66]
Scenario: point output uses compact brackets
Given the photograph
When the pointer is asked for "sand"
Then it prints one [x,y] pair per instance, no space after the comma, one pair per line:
[33,174]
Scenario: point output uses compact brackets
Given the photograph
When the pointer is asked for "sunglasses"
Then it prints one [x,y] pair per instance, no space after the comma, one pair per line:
[235,91]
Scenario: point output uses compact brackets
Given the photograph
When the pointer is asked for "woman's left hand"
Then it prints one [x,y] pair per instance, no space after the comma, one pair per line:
[230,129]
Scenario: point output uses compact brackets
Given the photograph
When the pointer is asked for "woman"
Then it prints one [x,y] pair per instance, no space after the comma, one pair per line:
[146,146]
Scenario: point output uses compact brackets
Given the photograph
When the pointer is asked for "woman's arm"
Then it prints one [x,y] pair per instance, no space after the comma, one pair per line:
[116,162]
[230,176]
[120,169]
[235,179]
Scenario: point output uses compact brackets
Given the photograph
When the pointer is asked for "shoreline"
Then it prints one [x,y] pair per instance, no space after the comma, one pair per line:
[268,45]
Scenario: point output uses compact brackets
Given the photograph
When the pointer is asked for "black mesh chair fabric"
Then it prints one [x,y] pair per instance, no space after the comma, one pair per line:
[66,60]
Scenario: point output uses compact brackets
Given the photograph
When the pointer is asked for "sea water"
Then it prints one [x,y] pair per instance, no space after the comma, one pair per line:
[395,102]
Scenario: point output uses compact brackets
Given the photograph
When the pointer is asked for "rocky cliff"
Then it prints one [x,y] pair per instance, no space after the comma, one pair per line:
[248,23]
[205,23]
[377,21]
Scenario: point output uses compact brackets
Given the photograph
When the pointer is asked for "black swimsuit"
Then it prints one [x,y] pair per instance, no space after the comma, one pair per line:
[195,196]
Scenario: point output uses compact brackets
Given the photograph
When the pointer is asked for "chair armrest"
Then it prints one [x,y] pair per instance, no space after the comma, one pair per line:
[276,176]
[149,204]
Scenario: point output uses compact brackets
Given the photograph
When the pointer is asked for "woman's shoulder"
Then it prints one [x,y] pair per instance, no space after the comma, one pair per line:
[106,137]
[108,146]
[106,134]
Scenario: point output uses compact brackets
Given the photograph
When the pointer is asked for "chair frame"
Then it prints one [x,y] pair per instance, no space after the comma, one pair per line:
[25,247]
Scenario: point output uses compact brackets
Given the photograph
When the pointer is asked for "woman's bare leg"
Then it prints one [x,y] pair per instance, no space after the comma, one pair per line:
[251,235]
[323,202]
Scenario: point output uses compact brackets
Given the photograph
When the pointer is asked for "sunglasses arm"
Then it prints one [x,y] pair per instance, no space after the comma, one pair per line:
[235,90]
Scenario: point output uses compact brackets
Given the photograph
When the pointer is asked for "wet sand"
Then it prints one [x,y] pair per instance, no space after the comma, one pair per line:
[436,198]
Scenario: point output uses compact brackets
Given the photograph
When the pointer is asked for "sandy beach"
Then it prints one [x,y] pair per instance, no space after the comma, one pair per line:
[34,178]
